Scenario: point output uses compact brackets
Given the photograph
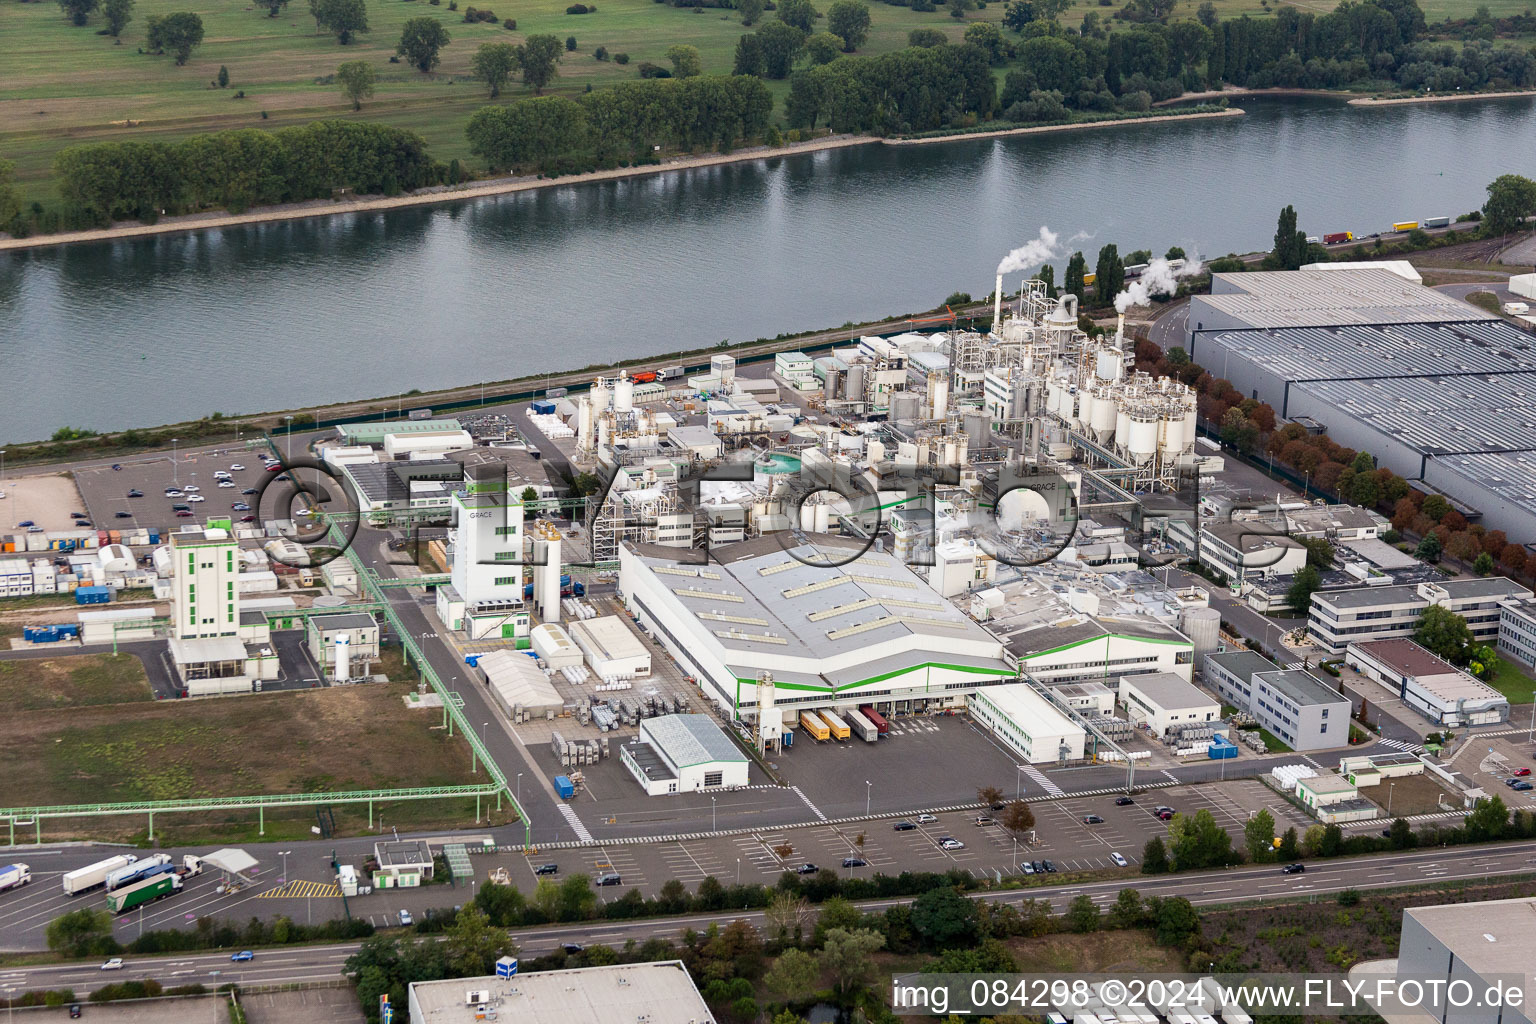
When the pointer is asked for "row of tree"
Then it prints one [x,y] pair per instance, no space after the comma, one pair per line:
[626,121]
[913,90]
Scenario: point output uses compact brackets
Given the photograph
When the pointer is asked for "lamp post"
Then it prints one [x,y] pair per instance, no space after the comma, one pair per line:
[1390,788]
[711,814]
[284,854]
[738,870]
[175,472]
[289,420]
[1018,789]
[519,789]
[868,789]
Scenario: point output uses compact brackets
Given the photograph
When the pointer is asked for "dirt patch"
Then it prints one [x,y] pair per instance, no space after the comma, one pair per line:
[84,680]
[1096,952]
[47,500]
[1410,795]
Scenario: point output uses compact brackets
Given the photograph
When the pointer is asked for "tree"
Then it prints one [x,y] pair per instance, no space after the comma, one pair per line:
[1110,275]
[1290,244]
[274,7]
[849,957]
[990,796]
[1154,857]
[223,77]
[539,57]
[357,78]
[1511,199]
[798,13]
[780,43]
[792,975]
[1320,552]
[1072,282]
[1199,842]
[1206,13]
[1401,834]
[1482,565]
[1332,843]
[1083,914]
[1306,582]
[685,60]
[749,56]
[83,932]
[1429,548]
[502,904]
[985,36]
[1443,632]
[576,898]
[1259,836]
[1127,911]
[420,40]
[10,198]
[118,14]
[823,47]
[1018,817]
[342,18]
[1436,507]
[786,914]
[79,11]
[1287,850]
[750,11]
[178,33]
[1489,820]
[957,8]
[494,63]
[472,944]
[849,19]
[926,37]
[1176,920]
[943,918]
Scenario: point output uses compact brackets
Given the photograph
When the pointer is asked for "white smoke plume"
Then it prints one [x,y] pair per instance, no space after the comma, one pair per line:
[1031,254]
[1160,278]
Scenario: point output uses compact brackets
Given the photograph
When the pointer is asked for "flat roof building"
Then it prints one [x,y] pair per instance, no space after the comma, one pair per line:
[1341,617]
[1478,943]
[1160,700]
[612,648]
[403,863]
[1027,723]
[1296,706]
[659,992]
[683,754]
[1433,687]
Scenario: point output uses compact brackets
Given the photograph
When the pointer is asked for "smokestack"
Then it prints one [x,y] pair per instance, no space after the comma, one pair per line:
[997,307]
[1120,329]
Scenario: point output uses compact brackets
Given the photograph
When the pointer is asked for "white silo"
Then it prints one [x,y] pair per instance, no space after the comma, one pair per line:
[808,517]
[1053,393]
[343,658]
[938,394]
[624,395]
[874,451]
[546,574]
[1203,627]
[584,424]
[1173,429]
[601,395]
[1122,420]
[823,518]
[1142,444]
[1083,410]
[1104,414]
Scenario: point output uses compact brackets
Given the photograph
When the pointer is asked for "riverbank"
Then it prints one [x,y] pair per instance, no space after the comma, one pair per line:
[1365,101]
[509,185]
[1042,129]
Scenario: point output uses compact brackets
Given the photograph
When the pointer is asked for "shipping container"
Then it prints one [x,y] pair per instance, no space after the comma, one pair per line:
[1437,222]
[839,727]
[564,787]
[92,875]
[93,595]
[811,722]
[544,407]
[419,414]
[862,727]
[139,893]
[876,719]
[14,876]
[1404,225]
[1334,238]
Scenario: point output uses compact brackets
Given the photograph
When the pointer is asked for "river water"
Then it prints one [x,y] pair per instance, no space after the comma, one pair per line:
[240,320]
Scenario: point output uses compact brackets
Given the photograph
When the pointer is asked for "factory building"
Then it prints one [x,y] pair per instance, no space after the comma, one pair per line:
[206,601]
[1482,944]
[1435,388]
[1341,617]
[684,754]
[1160,700]
[344,645]
[1302,710]
[1238,551]
[1433,687]
[611,648]
[1027,723]
[649,993]
[805,625]
[485,598]
[515,681]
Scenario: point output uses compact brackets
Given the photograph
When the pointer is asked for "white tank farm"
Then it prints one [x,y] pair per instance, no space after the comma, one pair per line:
[1104,413]
[1142,443]
[1173,430]
[1122,425]
[624,395]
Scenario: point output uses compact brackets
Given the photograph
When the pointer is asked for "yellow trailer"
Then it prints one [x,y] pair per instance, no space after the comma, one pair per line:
[839,727]
[811,722]
[1405,225]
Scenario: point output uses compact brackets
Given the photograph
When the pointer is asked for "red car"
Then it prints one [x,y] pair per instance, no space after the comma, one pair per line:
[1522,772]
[274,467]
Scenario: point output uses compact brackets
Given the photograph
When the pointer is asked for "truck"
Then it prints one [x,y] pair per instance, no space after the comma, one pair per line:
[1335,237]
[875,718]
[1437,222]
[643,376]
[191,864]
[122,900]
[670,373]
[811,722]
[92,875]
[861,726]
[140,869]
[838,727]
[419,414]
[565,787]
[567,588]
[1404,225]
[14,876]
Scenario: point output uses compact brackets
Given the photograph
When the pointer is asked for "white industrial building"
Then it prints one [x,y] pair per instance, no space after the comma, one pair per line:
[1339,618]
[344,645]
[1027,723]
[650,993]
[812,631]
[683,754]
[611,648]
[1159,700]
[1483,944]
[1517,629]
[515,680]
[1237,550]
[1433,687]
[485,595]
[426,443]
[113,625]
[206,598]
[554,645]
[1305,712]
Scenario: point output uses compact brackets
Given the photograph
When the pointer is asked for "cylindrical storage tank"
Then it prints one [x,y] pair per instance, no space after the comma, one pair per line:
[855,391]
[978,427]
[600,398]
[808,517]
[823,518]
[1085,405]
[1122,424]
[584,424]
[951,453]
[938,394]
[1142,443]
[1104,413]
[343,658]
[624,395]
[830,386]
[1191,424]
[904,407]
[1203,627]
[1173,431]
[1053,394]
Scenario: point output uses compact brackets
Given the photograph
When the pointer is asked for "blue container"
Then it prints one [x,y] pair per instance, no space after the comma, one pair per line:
[564,787]
[93,595]
[544,407]
[69,631]
[472,660]
[1221,749]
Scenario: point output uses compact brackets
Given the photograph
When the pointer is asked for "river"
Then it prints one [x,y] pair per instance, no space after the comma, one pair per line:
[240,320]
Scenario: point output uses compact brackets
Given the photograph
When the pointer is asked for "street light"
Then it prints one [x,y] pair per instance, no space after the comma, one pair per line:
[175,471]
[738,870]
[711,814]
[289,420]
[284,854]
[519,789]
[1018,789]
[867,790]
[1390,788]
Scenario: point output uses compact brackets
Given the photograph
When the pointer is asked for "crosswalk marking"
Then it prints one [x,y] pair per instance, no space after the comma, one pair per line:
[301,888]
[1401,745]
[575,823]
[1042,780]
[814,809]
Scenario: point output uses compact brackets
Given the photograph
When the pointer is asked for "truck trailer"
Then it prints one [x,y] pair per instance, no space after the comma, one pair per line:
[839,727]
[811,722]
[862,727]
[92,875]
[1335,237]
[14,876]
[1404,225]
[125,899]
[875,718]
[139,870]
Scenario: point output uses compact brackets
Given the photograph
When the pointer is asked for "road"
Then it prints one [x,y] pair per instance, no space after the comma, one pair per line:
[1236,885]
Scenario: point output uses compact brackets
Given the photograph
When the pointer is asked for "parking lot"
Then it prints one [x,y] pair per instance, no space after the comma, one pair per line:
[1491,761]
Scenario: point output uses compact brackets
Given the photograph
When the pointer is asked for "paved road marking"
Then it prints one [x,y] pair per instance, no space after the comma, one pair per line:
[575,823]
[301,888]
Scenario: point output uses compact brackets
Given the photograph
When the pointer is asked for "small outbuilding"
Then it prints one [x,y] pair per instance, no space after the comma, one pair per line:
[612,648]
[684,754]
[516,681]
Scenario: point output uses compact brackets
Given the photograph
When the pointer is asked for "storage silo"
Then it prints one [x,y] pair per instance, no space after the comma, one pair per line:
[904,405]
[1122,421]
[624,395]
[1104,414]
[855,391]
[1203,627]
[1142,444]
[1109,364]
[978,427]
[830,388]
[1053,394]
[1173,429]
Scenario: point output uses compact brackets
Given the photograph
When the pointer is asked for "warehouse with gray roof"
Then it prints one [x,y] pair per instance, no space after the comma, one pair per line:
[1436,389]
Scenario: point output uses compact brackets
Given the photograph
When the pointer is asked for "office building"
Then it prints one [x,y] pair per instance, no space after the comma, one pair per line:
[1342,617]
[1433,687]
[1297,707]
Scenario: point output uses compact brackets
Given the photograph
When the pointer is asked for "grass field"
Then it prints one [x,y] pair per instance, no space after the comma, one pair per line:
[344,738]
[80,681]
[1514,683]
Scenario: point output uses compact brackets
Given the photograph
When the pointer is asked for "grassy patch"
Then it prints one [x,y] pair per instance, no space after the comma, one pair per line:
[1484,300]
[81,681]
[344,738]
[1273,743]
[1514,683]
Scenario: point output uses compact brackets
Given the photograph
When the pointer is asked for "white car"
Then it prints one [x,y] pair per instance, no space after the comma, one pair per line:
[1118,859]
[236,467]
[191,488]
[926,819]
[174,492]
[952,844]
[115,964]
[196,497]
[226,483]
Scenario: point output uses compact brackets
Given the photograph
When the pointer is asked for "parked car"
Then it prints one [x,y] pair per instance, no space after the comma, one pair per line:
[547,869]
[854,862]
[249,490]
[274,467]
[952,844]
[926,819]
[74,1008]
[183,513]
[123,515]
[986,819]
[807,869]
[1294,869]
[903,826]
[117,466]
[1092,819]
[1522,772]
[77,515]
[196,498]
[405,919]
[25,522]
[609,879]
[1039,866]
[191,488]
[115,964]
[1025,867]
[239,506]
[237,467]
[226,483]
[247,519]
[135,493]
[34,528]
[1522,786]
[1123,801]
[1118,858]
[174,492]
[242,956]
[1050,866]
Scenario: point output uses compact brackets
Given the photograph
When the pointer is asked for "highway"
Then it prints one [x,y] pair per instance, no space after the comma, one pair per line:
[1234,885]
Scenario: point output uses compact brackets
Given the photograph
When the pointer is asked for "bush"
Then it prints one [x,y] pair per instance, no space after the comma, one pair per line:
[472,15]
[570,44]
[578,9]
[621,58]
[510,24]
[649,70]
[601,53]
